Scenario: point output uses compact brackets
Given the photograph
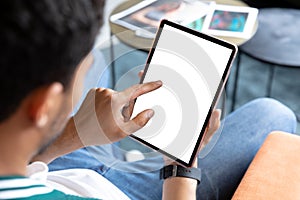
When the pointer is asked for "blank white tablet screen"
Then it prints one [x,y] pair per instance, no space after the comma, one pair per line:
[191,69]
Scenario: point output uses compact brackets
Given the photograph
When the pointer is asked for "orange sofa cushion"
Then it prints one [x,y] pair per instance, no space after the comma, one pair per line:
[275,171]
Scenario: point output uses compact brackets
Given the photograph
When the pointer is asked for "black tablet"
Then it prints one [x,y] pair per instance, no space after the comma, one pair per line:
[193,68]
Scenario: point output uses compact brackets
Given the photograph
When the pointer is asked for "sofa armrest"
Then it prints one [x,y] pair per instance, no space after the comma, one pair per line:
[275,171]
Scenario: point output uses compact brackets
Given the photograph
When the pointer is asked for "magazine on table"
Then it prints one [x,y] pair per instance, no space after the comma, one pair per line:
[145,16]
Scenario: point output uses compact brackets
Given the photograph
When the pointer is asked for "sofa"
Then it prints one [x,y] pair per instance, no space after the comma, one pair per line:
[274,173]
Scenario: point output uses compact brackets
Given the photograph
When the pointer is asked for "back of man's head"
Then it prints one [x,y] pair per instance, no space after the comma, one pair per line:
[43,41]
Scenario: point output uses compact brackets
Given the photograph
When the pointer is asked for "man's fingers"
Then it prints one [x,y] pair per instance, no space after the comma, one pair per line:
[214,123]
[138,121]
[138,90]
[127,111]
[140,74]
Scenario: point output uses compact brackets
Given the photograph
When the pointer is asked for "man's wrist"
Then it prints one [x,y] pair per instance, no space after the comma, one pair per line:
[182,181]
[65,143]
[179,188]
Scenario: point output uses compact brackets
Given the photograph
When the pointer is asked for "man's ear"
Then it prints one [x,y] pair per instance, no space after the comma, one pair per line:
[42,101]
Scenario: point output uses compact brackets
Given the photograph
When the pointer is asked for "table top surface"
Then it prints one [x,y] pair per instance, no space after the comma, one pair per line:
[129,37]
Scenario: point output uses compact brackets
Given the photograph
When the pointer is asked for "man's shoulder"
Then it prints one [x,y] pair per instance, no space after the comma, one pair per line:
[22,188]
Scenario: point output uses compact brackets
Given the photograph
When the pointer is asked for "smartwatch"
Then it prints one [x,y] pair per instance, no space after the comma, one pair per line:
[179,171]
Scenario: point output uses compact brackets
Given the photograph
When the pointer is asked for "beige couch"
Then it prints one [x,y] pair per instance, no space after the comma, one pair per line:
[275,171]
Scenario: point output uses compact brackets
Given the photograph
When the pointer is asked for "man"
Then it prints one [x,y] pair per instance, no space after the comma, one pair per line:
[45,57]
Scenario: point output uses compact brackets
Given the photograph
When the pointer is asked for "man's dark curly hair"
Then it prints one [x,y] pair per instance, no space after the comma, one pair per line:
[43,41]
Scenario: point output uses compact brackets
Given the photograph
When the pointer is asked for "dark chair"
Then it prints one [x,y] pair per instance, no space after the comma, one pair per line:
[276,42]
[273,3]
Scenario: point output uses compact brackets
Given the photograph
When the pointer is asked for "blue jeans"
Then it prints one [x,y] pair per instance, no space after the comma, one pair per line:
[228,155]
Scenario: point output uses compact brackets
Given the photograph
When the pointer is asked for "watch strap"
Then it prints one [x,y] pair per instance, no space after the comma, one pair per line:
[180,171]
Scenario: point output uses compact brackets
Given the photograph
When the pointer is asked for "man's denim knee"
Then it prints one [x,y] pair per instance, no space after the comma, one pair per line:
[275,110]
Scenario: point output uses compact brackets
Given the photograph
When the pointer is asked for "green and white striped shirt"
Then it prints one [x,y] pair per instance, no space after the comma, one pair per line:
[23,188]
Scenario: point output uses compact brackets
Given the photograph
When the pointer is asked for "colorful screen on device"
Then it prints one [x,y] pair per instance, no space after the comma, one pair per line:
[191,66]
[228,21]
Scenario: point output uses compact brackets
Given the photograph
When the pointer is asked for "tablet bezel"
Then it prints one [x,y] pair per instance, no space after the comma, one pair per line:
[216,97]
